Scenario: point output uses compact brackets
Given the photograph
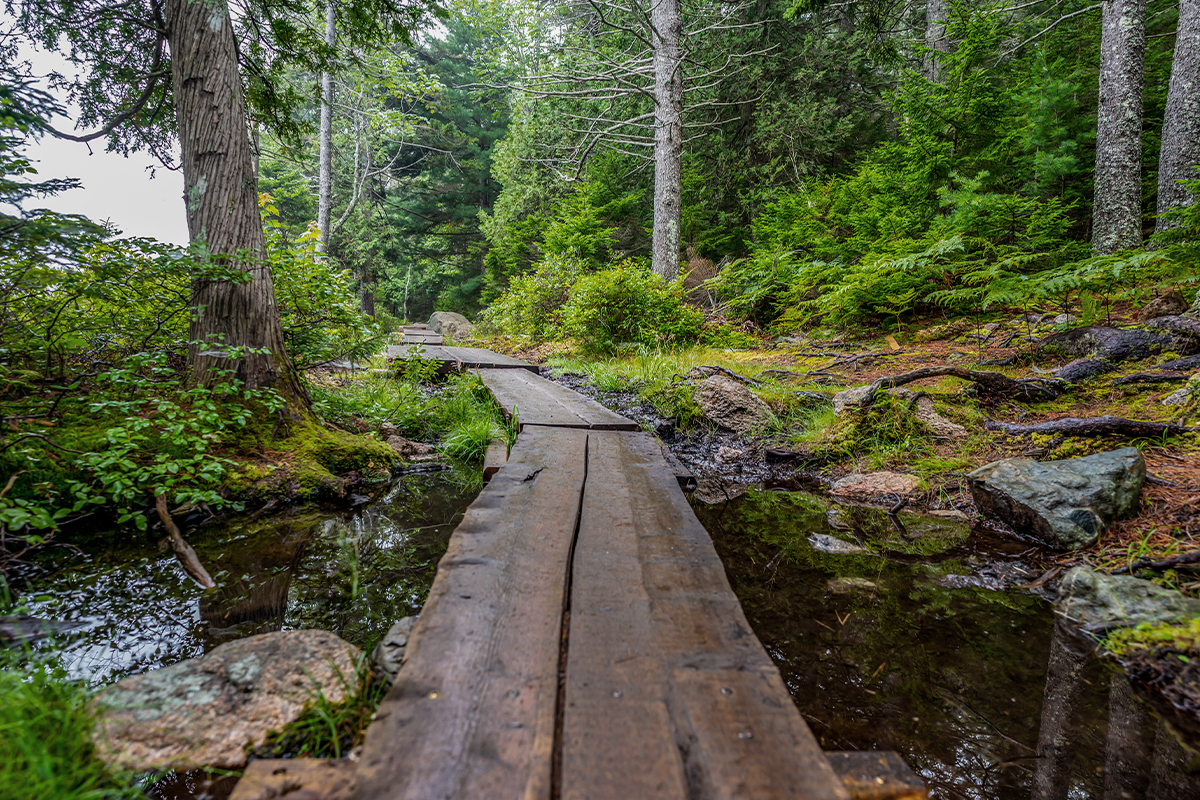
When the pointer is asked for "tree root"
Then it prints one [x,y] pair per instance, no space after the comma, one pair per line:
[1027,389]
[1146,563]
[706,371]
[1093,426]
[183,551]
[1150,377]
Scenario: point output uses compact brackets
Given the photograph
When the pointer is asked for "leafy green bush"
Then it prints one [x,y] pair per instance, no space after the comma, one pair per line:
[627,304]
[533,303]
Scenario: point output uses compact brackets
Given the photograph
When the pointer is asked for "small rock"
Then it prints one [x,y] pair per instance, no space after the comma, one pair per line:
[1179,397]
[449,324]
[831,544]
[1094,598]
[411,451]
[948,513]
[389,653]
[1063,504]
[1170,304]
[938,425]
[731,405]
[849,399]
[1066,319]
[850,585]
[711,491]
[876,484]
[387,430]
[207,711]
[728,454]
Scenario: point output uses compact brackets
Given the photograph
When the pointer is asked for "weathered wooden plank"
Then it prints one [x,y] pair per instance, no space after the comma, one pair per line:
[877,775]
[537,401]
[668,692]
[419,337]
[472,713]
[463,357]
[683,476]
[495,457]
[312,778]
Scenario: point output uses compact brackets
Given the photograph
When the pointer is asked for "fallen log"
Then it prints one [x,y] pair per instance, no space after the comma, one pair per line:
[994,383]
[183,551]
[1150,377]
[1093,426]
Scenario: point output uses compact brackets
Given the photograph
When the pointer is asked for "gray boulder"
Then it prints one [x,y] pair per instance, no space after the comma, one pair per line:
[731,405]
[1064,504]
[1095,598]
[450,324]
[208,711]
[1170,304]
[389,653]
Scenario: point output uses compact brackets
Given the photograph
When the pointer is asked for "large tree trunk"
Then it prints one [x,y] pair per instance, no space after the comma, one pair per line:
[1180,152]
[936,13]
[222,207]
[667,19]
[325,179]
[1058,733]
[1117,213]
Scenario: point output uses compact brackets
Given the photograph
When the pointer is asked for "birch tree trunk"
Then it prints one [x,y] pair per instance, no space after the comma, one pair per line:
[325,179]
[666,18]
[1181,122]
[936,12]
[1117,212]
[222,207]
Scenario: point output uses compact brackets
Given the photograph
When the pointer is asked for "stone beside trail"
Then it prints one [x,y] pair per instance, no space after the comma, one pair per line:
[864,486]
[1094,598]
[852,400]
[1065,505]
[451,325]
[209,711]
[731,405]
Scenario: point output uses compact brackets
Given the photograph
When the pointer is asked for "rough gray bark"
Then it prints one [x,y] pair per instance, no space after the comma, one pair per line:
[1117,213]
[325,179]
[222,206]
[936,14]
[1129,745]
[1181,121]
[666,17]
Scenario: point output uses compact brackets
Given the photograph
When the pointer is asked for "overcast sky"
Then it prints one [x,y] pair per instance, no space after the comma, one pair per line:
[115,188]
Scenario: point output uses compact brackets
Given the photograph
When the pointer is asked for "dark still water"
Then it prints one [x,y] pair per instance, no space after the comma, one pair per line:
[353,573]
[909,650]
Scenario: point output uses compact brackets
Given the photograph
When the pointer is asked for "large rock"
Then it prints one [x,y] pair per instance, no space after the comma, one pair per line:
[208,711]
[450,324]
[1064,504]
[1170,304]
[1095,598]
[1109,344]
[731,405]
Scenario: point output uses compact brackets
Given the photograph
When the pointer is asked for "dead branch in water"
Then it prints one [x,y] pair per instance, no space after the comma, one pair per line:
[1027,389]
[1093,426]
[183,551]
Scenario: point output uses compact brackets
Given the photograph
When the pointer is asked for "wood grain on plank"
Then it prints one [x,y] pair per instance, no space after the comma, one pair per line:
[537,401]
[877,775]
[472,713]
[465,357]
[668,691]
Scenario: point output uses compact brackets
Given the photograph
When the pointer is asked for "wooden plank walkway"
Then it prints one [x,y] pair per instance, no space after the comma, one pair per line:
[533,400]
[460,358]
[581,642]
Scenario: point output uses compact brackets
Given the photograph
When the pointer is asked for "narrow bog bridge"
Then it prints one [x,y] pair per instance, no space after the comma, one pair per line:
[581,640]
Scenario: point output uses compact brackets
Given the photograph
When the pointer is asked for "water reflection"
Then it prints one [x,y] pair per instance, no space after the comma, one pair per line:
[353,573]
[906,648]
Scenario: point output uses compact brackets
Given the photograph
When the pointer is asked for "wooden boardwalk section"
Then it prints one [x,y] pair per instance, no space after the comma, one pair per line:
[581,642]
[459,358]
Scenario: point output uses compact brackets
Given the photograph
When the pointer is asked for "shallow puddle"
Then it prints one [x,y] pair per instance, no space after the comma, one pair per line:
[909,650]
[351,572]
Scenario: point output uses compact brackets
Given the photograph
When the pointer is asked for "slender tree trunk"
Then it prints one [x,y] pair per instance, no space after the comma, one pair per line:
[666,17]
[1180,153]
[222,207]
[1117,213]
[1129,746]
[936,14]
[325,180]
[1058,734]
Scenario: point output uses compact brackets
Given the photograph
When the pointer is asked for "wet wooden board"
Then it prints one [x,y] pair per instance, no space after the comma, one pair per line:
[537,401]
[668,692]
[877,775]
[495,457]
[422,337]
[273,778]
[462,357]
[473,711]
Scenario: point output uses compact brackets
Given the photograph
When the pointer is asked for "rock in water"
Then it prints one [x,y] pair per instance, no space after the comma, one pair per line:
[448,323]
[1064,504]
[865,486]
[207,711]
[731,405]
[1094,598]
[390,651]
